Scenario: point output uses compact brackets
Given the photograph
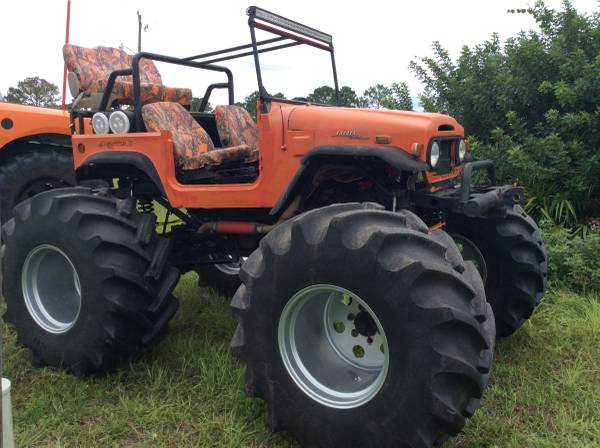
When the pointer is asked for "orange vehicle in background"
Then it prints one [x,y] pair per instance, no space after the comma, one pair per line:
[375,274]
[35,153]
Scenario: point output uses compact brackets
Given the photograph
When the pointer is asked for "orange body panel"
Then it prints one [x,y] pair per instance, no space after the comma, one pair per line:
[286,133]
[29,121]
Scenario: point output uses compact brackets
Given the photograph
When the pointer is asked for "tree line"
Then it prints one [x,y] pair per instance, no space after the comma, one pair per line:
[36,91]
[531,104]
[396,96]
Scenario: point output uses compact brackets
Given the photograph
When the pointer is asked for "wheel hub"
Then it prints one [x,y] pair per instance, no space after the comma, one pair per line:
[232,268]
[469,251]
[333,346]
[364,324]
[51,289]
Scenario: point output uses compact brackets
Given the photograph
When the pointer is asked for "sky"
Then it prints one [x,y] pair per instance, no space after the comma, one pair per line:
[374,40]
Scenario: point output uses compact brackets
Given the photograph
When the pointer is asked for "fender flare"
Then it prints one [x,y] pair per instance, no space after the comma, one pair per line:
[122,158]
[391,155]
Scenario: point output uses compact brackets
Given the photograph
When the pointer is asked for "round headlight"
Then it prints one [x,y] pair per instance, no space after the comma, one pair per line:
[119,122]
[462,150]
[100,123]
[434,154]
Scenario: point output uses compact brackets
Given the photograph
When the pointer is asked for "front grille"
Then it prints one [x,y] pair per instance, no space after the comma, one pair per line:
[445,163]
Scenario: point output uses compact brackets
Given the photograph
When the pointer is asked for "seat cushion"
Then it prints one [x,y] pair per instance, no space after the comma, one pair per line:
[190,140]
[193,147]
[93,67]
[229,155]
[181,95]
[236,126]
[119,59]
[85,63]
[123,91]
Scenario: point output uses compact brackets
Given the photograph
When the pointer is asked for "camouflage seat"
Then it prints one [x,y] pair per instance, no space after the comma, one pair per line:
[236,127]
[89,69]
[192,145]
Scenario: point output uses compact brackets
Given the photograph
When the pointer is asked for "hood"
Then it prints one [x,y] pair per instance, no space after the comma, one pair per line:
[342,125]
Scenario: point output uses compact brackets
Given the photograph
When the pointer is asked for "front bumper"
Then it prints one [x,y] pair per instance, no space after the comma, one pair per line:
[469,200]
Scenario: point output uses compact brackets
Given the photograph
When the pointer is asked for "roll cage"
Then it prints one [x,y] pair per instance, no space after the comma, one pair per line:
[289,34]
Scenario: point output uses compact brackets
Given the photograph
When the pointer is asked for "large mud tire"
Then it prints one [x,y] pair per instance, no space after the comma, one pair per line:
[32,172]
[516,262]
[122,297]
[436,325]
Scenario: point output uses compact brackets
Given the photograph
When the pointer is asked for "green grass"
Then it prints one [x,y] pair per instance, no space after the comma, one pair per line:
[545,390]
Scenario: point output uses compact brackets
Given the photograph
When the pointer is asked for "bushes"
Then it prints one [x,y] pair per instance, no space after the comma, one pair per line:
[574,261]
[531,104]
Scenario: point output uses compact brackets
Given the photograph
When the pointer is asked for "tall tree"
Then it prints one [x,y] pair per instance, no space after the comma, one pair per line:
[532,104]
[402,96]
[196,102]
[322,95]
[397,96]
[249,102]
[34,91]
[326,95]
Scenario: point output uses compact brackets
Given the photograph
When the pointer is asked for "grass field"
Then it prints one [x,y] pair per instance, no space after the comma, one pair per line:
[545,390]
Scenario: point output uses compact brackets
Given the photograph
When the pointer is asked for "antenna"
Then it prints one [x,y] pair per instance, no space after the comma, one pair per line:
[64,89]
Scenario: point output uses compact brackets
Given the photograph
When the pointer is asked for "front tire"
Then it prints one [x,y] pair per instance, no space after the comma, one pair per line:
[86,280]
[324,283]
[515,259]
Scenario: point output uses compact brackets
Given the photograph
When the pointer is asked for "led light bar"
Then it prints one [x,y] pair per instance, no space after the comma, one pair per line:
[290,25]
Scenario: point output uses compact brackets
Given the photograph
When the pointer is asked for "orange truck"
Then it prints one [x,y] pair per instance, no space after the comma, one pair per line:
[35,153]
[375,273]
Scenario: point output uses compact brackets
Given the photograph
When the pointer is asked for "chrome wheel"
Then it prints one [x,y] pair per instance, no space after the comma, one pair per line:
[51,289]
[232,268]
[333,346]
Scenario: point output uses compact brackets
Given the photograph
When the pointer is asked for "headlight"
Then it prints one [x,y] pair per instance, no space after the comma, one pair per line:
[119,122]
[434,154]
[462,150]
[100,123]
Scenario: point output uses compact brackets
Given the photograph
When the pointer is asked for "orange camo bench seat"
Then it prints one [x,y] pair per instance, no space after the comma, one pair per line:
[193,146]
[93,67]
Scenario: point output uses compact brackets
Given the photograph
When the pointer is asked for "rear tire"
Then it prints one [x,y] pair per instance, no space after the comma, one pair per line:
[32,172]
[516,262]
[223,278]
[118,275]
[421,304]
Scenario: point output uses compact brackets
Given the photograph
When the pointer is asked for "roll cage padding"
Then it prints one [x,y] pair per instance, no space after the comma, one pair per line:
[393,156]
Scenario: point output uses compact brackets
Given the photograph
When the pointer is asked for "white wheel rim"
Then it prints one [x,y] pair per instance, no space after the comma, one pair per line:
[51,289]
[333,346]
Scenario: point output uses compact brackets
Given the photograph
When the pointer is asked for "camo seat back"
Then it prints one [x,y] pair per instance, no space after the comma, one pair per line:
[236,126]
[93,66]
[192,145]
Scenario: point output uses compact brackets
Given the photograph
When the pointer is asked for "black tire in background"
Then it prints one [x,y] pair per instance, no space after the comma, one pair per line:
[435,325]
[118,299]
[32,172]
[516,262]
[223,278]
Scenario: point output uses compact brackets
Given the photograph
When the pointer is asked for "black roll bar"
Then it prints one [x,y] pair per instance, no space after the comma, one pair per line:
[137,100]
[286,30]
